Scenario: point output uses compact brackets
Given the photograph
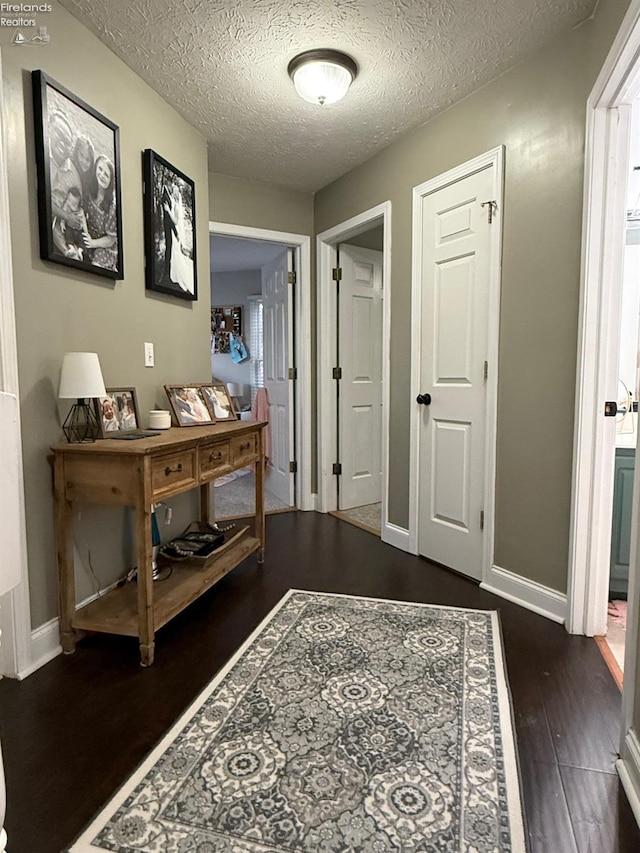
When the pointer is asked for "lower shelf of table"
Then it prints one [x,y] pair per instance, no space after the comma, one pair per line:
[117,611]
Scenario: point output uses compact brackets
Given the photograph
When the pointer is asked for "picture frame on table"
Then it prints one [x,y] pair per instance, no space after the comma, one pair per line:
[169,229]
[219,402]
[78,173]
[188,405]
[118,411]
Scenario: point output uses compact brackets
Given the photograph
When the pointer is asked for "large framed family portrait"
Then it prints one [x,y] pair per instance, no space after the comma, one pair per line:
[78,171]
[170,235]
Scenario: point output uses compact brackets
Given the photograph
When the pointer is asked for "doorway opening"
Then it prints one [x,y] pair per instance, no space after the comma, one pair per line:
[607,161]
[258,322]
[626,418]
[353,364]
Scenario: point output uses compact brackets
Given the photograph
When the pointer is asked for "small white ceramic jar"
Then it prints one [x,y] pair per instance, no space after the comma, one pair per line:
[159,419]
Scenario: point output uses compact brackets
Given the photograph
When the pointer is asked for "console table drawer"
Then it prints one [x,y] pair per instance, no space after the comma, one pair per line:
[167,472]
[244,449]
[214,459]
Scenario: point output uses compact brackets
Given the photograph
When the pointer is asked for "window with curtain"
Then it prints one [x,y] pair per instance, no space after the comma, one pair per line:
[256,344]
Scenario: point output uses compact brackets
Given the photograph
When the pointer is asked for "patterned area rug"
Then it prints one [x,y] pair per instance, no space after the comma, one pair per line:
[343,725]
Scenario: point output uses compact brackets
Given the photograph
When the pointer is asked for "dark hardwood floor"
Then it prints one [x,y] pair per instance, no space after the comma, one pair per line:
[73,731]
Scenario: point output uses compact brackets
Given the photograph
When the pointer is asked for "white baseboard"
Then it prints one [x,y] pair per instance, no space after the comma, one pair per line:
[45,640]
[534,596]
[396,536]
[45,645]
[628,768]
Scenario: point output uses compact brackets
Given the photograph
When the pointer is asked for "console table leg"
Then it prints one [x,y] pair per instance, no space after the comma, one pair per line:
[63,511]
[146,631]
[260,556]
[147,654]
[68,643]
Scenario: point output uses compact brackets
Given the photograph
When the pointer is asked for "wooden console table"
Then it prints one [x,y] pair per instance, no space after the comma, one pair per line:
[138,473]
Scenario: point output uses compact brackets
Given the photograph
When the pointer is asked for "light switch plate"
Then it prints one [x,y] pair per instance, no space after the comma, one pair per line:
[149,358]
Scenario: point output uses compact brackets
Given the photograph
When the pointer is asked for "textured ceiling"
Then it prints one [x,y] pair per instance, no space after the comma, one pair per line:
[223,65]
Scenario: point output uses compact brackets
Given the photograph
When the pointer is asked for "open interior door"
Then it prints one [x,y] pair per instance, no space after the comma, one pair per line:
[277,292]
[360,388]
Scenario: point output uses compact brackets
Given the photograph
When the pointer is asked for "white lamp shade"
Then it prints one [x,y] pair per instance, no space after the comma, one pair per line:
[236,389]
[322,82]
[81,376]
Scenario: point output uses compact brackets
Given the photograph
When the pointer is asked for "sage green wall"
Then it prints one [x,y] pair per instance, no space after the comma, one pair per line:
[373,239]
[537,111]
[59,309]
[259,205]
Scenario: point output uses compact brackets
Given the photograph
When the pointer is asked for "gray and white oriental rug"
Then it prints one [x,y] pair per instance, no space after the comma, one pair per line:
[342,725]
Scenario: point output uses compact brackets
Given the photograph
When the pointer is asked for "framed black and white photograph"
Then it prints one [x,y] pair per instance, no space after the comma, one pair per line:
[170,237]
[118,411]
[78,169]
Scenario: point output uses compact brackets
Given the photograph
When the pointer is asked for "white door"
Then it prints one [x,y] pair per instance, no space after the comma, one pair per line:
[360,390]
[278,355]
[455,291]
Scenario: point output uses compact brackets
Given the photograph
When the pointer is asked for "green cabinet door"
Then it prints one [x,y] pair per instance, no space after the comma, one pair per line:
[621,524]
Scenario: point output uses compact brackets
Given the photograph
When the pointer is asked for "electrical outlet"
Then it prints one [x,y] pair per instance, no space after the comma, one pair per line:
[149,358]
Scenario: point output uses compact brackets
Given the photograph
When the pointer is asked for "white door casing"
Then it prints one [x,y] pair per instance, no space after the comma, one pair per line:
[455,308]
[360,390]
[15,615]
[278,350]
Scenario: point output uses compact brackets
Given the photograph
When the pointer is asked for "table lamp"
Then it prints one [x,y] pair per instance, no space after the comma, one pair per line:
[236,392]
[81,379]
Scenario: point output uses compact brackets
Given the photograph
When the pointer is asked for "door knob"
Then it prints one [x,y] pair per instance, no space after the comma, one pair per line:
[424,399]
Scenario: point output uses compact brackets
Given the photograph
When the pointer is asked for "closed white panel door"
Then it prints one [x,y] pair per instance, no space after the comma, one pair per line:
[278,349]
[360,391]
[455,278]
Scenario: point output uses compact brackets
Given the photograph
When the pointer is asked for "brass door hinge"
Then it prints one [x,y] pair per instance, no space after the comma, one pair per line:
[293,373]
[292,277]
[337,373]
[337,468]
[337,273]
[481,519]
[293,467]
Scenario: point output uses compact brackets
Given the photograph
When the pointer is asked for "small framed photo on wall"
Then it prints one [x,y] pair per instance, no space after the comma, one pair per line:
[78,169]
[170,234]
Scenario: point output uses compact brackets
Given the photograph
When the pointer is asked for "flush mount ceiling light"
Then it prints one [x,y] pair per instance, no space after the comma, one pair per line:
[322,76]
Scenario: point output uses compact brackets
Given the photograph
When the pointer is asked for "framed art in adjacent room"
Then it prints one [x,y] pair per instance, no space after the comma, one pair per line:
[170,238]
[78,170]
[117,411]
[188,405]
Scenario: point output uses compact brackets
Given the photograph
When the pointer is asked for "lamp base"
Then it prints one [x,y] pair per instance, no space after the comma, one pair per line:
[81,423]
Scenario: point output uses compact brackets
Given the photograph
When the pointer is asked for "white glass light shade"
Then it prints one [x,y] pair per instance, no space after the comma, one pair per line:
[81,376]
[322,76]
